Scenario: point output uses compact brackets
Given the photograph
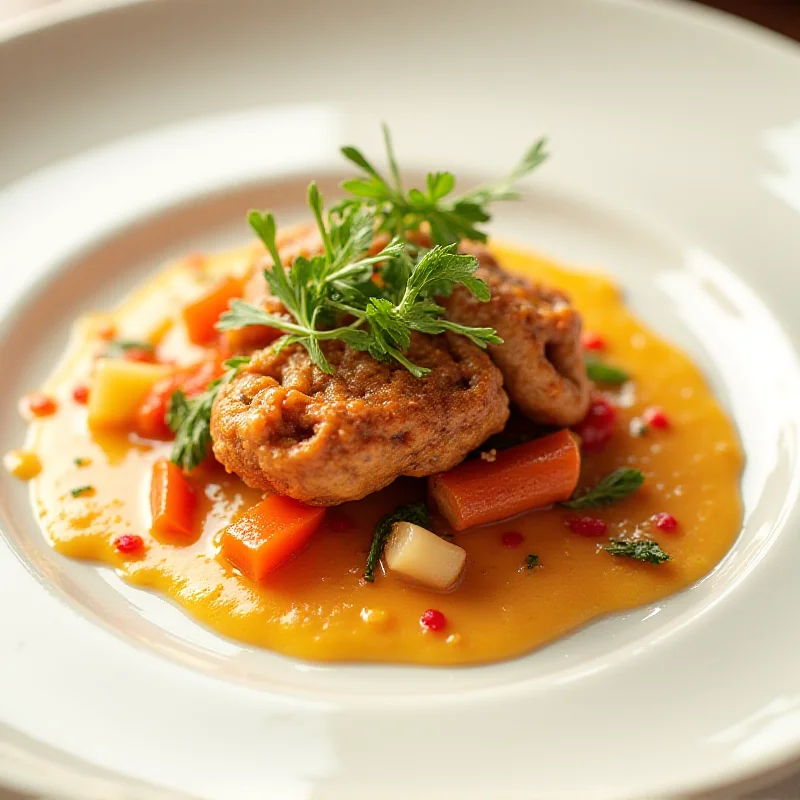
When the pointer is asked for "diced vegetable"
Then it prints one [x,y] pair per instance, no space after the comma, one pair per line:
[532,475]
[417,554]
[22,464]
[269,534]
[202,316]
[172,501]
[151,415]
[118,389]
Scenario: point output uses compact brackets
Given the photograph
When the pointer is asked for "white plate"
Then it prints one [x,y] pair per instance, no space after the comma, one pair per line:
[148,129]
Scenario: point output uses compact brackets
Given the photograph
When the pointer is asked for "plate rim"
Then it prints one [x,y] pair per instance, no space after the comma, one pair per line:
[752,34]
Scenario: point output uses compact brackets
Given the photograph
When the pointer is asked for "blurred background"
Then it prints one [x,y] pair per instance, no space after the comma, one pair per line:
[779,15]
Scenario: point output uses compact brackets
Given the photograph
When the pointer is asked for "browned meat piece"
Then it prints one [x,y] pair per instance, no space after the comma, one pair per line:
[541,358]
[283,424]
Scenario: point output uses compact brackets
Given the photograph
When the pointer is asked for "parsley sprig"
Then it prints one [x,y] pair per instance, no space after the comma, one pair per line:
[321,293]
[614,486]
[190,418]
[449,217]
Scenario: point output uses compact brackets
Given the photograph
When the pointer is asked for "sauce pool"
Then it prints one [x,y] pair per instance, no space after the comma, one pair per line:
[317,606]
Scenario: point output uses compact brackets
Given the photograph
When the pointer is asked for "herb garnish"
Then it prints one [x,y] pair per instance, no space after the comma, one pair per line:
[640,549]
[532,561]
[416,513]
[449,218]
[600,372]
[81,490]
[616,485]
[80,462]
[117,349]
[333,295]
[190,419]
[318,291]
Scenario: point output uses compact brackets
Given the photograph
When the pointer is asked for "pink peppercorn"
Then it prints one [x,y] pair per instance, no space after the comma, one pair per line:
[128,543]
[665,522]
[587,526]
[592,341]
[433,620]
[655,417]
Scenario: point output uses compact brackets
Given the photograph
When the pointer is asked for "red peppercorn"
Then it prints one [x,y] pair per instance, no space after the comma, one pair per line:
[512,539]
[655,417]
[592,341]
[597,426]
[587,526]
[40,405]
[665,522]
[433,620]
[128,543]
[80,394]
[139,354]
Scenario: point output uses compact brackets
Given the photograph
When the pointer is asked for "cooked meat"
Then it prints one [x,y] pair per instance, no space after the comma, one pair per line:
[283,424]
[541,358]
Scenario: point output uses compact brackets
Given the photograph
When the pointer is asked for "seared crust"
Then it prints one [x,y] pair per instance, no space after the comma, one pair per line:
[541,358]
[283,424]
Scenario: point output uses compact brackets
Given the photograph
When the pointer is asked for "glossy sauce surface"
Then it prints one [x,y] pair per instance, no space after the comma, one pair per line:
[318,607]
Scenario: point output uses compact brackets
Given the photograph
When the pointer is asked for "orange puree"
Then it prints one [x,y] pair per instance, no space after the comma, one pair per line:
[317,606]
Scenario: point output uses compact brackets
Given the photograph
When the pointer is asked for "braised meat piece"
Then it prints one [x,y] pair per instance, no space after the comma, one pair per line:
[541,358]
[283,424]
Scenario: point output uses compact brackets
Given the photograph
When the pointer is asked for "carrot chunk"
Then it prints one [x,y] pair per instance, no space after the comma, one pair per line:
[269,534]
[172,501]
[202,316]
[531,475]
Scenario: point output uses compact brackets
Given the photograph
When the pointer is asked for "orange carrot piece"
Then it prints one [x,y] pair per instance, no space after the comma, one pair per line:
[531,475]
[269,534]
[172,501]
[202,316]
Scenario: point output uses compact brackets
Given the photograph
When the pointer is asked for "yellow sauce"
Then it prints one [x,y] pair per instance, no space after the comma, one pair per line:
[318,607]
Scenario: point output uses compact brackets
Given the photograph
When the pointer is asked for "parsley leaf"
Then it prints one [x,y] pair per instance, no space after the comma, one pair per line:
[190,419]
[599,372]
[416,513]
[449,218]
[532,561]
[639,549]
[80,491]
[319,290]
[616,485]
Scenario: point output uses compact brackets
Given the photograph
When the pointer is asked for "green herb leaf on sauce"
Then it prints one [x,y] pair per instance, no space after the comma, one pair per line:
[416,513]
[599,372]
[616,485]
[82,490]
[640,549]
[190,419]
[80,462]
[532,561]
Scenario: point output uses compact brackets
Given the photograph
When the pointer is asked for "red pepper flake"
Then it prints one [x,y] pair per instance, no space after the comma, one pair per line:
[593,341]
[655,417]
[128,543]
[587,526]
[512,539]
[139,354]
[80,394]
[40,405]
[433,620]
[597,426]
[665,522]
